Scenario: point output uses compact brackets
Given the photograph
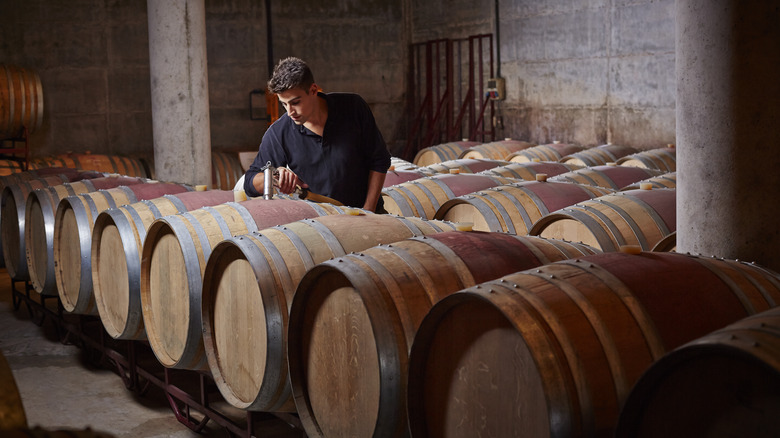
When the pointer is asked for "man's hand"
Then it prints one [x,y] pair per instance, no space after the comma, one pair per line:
[288,181]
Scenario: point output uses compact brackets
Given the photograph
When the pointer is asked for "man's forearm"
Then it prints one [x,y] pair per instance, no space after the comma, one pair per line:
[376,181]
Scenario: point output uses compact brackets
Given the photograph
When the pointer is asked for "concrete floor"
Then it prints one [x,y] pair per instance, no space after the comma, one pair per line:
[69,387]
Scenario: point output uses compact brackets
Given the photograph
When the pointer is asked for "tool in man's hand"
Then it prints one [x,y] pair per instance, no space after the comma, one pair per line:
[271,179]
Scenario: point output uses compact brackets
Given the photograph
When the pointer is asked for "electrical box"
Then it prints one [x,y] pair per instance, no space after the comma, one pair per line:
[496,89]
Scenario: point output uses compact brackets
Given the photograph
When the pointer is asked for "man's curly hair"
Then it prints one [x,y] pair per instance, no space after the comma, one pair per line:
[290,73]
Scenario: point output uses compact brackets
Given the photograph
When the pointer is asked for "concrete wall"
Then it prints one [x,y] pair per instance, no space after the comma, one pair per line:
[581,71]
[587,72]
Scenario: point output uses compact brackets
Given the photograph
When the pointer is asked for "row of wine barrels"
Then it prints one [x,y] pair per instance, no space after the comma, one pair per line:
[496,150]
[599,155]
[248,287]
[35,228]
[608,176]
[12,217]
[23,183]
[664,181]
[555,351]
[117,238]
[515,208]
[423,197]
[664,159]
[353,320]
[118,164]
[634,218]
[726,382]
[174,257]
[21,101]
[464,165]
[442,152]
[528,170]
[72,240]
[544,152]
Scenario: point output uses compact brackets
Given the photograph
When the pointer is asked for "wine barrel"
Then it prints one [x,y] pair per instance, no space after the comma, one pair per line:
[497,150]
[67,174]
[12,224]
[544,152]
[633,217]
[395,177]
[11,408]
[423,197]
[528,171]
[174,257]
[401,164]
[225,170]
[98,162]
[72,240]
[663,159]
[726,382]
[353,319]
[10,167]
[21,101]
[38,230]
[554,351]
[599,155]
[117,238]
[442,152]
[464,165]
[515,208]
[665,181]
[249,283]
[609,176]
[667,244]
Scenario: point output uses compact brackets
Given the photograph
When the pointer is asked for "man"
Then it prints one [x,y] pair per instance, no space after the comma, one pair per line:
[328,143]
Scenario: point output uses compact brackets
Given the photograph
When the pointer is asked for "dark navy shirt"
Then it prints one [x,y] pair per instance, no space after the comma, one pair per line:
[335,165]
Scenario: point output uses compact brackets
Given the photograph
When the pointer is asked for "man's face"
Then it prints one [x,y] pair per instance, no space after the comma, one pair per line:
[299,103]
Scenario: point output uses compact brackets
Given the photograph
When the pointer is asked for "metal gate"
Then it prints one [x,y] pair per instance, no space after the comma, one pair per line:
[446,98]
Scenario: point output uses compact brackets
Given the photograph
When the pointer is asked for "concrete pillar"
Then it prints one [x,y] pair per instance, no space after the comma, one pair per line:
[180,94]
[728,129]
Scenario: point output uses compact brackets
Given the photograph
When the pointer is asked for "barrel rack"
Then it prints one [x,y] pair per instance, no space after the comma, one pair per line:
[14,151]
[191,395]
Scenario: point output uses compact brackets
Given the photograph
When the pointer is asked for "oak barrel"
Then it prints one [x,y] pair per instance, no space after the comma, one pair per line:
[632,217]
[121,165]
[442,152]
[726,383]
[21,101]
[664,159]
[401,164]
[423,197]
[609,176]
[38,237]
[10,167]
[599,155]
[248,286]
[12,216]
[665,181]
[174,257]
[395,177]
[353,319]
[465,165]
[117,238]
[496,150]
[529,170]
[554,351]
[72,241]
[515,208]
[225,170]
[544,152]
